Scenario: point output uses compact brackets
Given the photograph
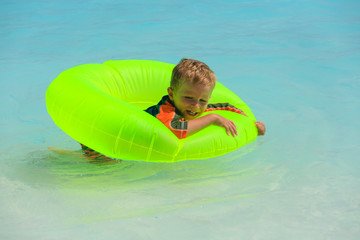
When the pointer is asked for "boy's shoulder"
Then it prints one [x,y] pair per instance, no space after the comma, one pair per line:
[219,105]
[223,106]
[155,109]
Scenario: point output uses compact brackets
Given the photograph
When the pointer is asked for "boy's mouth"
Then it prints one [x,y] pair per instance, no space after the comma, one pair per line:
[192,114]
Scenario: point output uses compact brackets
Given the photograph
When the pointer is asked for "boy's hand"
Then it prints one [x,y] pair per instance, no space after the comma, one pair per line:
[261,128]
[212,118]
[227,124]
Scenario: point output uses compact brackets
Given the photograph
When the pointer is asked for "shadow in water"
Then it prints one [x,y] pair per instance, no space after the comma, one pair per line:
[123,189]
[62,168]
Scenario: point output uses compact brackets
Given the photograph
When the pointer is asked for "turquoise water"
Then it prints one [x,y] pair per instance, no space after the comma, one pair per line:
[296,63]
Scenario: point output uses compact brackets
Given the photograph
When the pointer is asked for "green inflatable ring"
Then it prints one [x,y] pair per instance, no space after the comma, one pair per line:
[101,106]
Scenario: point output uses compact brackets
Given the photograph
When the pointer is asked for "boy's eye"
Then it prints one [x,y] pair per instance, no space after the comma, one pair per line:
[188,97]
[203,101]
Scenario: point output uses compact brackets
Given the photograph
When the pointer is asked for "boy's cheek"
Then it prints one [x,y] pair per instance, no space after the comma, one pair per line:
[202,110]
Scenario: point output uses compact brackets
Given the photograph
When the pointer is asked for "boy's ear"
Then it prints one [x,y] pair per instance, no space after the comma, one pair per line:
[170,93]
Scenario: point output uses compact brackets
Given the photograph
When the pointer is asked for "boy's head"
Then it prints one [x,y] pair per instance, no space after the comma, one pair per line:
[191,86]
[190,70]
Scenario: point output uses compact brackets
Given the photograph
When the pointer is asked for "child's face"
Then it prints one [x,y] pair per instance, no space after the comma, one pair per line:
[190,99]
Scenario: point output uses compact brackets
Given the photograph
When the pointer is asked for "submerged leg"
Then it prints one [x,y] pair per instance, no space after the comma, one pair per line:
[91,153]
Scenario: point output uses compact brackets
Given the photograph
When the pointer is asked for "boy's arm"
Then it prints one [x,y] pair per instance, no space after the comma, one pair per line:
[228,107]
[212,118]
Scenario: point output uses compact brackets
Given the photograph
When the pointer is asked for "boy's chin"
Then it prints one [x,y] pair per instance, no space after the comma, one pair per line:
[188,116]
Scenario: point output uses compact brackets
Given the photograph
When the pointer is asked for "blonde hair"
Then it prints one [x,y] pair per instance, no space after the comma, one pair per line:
[193,71]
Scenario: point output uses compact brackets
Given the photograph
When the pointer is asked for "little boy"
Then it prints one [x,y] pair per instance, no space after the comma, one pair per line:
[190,90]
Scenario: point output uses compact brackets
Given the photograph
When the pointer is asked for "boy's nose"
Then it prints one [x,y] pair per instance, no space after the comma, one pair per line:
[196,104]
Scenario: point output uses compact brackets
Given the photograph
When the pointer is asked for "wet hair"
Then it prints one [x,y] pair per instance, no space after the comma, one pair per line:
[192,71]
